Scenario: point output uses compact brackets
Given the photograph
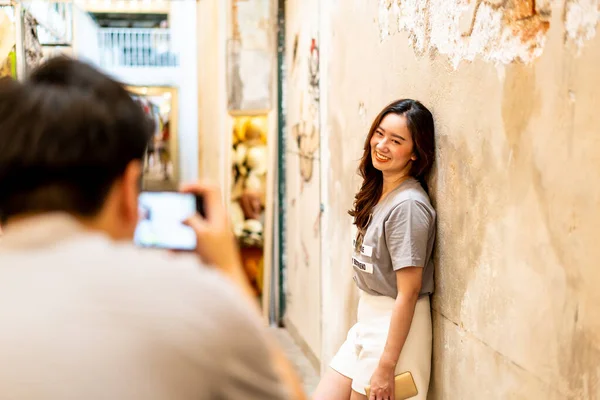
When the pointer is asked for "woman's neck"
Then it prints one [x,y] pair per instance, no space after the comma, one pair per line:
[392,182]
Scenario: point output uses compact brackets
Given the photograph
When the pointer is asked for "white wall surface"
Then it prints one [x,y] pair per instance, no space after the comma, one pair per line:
[183,39]
[85,37]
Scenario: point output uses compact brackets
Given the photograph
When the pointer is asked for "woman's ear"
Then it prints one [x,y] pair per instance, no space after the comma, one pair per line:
[413,157]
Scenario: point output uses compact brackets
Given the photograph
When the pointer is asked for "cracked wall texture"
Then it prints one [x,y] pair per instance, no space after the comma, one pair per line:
[303,212]
[514,87]
[500,31]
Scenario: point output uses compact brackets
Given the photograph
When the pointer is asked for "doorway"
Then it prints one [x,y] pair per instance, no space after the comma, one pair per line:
[161,161]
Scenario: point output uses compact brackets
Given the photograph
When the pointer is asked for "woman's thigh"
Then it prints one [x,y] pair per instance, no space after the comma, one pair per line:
[333,386]
[357,396]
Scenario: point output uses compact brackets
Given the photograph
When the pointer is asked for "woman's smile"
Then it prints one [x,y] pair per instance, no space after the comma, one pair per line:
[380,157]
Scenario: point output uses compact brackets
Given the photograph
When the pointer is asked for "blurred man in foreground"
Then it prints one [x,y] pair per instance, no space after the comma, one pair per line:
[85,314]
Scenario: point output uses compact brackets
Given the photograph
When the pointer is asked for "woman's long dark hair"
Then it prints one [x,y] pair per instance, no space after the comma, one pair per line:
[420,124]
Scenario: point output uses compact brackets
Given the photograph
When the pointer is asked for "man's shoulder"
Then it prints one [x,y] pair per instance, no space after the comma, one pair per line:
[179,287]
[165,268]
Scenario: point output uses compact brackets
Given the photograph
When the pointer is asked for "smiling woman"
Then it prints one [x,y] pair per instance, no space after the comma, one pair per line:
[392,262]
[391,136]
[392,144]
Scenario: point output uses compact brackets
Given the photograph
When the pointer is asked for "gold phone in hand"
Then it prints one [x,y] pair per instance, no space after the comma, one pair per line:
[404,387]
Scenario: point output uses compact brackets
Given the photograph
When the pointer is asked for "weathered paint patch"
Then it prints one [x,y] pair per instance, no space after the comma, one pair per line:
[499,31]
[581,18]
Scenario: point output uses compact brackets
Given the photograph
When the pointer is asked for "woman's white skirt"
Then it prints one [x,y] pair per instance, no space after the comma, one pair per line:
[359,356]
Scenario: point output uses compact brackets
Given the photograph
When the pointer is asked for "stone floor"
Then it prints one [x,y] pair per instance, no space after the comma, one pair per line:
[306,371]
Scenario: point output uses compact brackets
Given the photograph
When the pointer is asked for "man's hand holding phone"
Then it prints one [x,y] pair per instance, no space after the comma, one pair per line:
[216,242]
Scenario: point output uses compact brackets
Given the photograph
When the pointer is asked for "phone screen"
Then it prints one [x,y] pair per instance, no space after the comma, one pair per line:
[161,219]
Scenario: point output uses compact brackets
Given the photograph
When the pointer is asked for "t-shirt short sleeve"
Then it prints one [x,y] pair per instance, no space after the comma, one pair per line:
[407,230]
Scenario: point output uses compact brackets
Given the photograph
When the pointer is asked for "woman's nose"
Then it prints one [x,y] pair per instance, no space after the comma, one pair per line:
[382,145]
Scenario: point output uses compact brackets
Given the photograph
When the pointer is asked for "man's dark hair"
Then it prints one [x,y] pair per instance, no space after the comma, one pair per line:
[66,136]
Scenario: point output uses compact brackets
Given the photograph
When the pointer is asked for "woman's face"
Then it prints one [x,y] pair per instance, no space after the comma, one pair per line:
[392,146]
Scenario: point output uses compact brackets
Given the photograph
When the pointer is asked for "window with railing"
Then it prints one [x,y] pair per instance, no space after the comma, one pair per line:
[135,47]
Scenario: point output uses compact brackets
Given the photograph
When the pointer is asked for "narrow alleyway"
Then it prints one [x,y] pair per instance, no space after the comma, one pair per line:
[306,371]
[267,100]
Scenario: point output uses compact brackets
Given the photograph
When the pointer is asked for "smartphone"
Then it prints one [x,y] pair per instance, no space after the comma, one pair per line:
[161,217]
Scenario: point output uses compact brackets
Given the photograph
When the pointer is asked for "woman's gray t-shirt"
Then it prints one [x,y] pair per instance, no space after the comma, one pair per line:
[401,234]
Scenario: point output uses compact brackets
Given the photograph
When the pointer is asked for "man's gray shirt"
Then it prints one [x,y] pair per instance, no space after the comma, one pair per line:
[83,317]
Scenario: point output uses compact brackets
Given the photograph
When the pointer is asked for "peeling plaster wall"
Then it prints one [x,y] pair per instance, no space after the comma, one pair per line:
[514,87]
[581,19]
[250,55]
[497,30]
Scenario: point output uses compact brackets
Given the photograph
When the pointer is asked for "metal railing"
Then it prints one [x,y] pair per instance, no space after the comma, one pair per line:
[136,48]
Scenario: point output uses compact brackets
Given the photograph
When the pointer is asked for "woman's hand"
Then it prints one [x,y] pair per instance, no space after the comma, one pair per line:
[382,383]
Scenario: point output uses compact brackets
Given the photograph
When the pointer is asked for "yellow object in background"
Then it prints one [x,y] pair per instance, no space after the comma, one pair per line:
[259,275]
[249,160]
[247,128]
[12,57]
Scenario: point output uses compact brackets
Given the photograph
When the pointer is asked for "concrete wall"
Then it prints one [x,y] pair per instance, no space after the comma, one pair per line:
[7,31]
[212,96]
[250,55]
[184,41]
[129,6]
[303,179]
[514,89]
[85,36]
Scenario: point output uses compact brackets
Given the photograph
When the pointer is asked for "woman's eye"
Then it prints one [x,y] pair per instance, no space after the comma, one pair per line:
[396,142]
[379,133]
